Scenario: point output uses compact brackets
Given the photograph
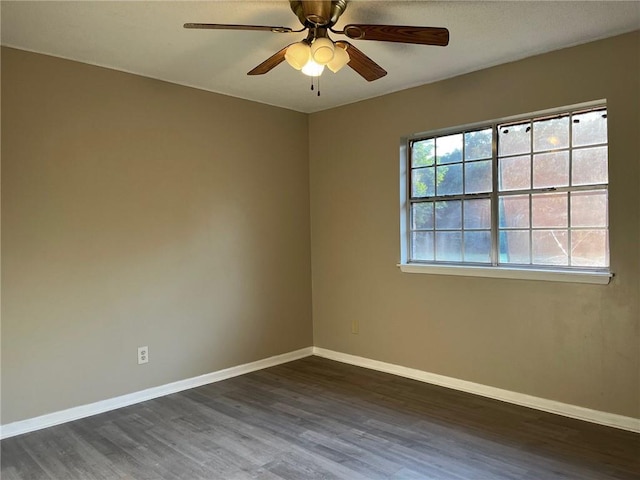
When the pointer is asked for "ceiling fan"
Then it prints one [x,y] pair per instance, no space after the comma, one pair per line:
[317,50]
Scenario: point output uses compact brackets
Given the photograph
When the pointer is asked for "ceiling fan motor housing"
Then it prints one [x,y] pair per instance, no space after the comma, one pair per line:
[321,13]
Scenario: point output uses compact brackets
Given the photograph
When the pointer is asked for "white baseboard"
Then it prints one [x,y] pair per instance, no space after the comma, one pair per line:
[75,413]
[559,408]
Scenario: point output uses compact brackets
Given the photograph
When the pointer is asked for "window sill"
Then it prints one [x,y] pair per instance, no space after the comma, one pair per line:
[600,278]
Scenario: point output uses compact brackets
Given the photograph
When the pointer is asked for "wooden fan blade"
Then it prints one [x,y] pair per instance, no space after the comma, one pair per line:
[270,63]
[362,64]
[397,33]
[224,26]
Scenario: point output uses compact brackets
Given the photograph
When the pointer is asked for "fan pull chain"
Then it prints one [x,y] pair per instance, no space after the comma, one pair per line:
[317,83]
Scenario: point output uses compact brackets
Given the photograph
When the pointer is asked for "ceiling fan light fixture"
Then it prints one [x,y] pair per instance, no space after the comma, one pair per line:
[322,50]
[313,69]
[298,55]
[318,17]
[340,59]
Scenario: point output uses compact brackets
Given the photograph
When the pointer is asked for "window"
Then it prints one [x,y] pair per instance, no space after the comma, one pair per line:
[526,194]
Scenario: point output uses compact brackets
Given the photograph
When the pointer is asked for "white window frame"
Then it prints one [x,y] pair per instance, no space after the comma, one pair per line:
[547,273]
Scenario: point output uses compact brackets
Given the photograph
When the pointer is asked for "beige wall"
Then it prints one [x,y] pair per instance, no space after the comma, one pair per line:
[136,212]
[573,343]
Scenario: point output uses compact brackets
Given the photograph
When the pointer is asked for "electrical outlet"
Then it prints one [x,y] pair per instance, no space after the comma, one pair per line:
[143,355]
[355,327]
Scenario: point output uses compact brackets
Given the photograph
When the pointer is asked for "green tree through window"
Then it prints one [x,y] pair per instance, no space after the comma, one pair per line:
[550,205]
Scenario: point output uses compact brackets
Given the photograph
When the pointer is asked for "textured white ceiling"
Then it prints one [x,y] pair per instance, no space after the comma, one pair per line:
[147,38]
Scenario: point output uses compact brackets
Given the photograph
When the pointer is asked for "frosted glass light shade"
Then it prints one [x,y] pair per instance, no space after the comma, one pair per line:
[322,50]
[312,68]
[340,59]
[297,55]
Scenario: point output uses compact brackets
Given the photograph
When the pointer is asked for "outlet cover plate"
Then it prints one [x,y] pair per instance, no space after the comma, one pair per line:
[143,355]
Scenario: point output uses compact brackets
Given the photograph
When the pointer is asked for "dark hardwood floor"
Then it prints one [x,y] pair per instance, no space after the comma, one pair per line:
[319,419]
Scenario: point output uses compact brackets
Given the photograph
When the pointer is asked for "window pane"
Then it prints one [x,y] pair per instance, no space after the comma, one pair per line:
[589,166]
[449,215]
[515,173]
[477,177]
[590,128]
[551,134]
[423,182]
[477,214]
[514,211]
[550,247]
[552,201]
[449,149]
[514,139]
[422,216]
[589,208]
[422,246]
[549,210]
[449,246]
[589,248]
[477,246]
[514,247]
[478,144]
[551,170]
[423,153]
[449,179]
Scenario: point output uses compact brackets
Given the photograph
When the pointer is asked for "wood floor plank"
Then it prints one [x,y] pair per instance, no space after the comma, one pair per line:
[319,419]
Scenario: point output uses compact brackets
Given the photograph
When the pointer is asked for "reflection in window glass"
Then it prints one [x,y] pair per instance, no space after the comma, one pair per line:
[514,139]
[514,211]
[550,247]
[589,248]
[515,173]
[590,128]
[589,166]
[551,169]
[549,210]
[551,134]
[589,208]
